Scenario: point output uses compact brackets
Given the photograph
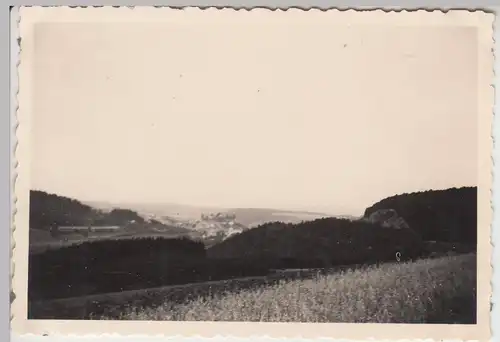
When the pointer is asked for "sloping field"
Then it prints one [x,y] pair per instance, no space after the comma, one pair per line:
[113,305]
[426,291]
[433,291]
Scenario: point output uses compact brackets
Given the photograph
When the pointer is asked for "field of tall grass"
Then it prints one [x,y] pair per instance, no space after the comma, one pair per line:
[425,291]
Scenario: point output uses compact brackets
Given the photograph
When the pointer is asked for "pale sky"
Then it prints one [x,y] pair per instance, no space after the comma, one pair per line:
[304,116]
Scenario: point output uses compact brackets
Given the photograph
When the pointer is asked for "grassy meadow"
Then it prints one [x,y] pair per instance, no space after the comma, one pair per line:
[425,291]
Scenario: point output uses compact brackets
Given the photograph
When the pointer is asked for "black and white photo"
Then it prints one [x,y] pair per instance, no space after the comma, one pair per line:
[188,165]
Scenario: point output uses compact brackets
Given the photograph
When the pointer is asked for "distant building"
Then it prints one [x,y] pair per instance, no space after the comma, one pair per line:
[68,229]
[218,216]
[72,228]
[104,228]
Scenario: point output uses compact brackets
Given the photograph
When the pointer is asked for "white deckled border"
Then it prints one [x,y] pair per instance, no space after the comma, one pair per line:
[29,16]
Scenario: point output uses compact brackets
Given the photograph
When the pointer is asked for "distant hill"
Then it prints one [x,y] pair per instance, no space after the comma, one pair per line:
[197,218]
[437,215]
[48,211]
[168,210]
[249,217]
[252,217]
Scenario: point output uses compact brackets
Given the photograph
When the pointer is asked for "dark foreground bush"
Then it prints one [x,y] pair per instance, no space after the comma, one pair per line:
[121,265]
[107,265]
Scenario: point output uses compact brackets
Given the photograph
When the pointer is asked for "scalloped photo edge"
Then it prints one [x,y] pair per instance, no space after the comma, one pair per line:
[266,22]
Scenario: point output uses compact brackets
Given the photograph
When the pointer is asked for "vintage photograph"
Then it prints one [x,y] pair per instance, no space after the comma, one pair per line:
[255,166]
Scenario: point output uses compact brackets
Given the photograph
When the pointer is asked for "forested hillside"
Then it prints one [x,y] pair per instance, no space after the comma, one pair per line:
[437,215]
[322,242]
[47,210]
[444,216]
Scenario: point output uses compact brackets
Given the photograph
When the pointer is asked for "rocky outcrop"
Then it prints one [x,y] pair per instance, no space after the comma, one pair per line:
[388,218]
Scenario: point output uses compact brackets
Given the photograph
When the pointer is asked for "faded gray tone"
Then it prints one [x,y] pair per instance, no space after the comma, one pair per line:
[485,101]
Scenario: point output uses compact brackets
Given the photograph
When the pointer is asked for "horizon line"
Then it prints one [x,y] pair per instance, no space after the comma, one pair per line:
[117,204]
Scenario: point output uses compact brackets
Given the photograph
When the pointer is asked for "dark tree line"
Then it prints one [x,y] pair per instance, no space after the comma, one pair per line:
[131,264]
[49,210]
[111,265]
[437,215]
[323,242]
